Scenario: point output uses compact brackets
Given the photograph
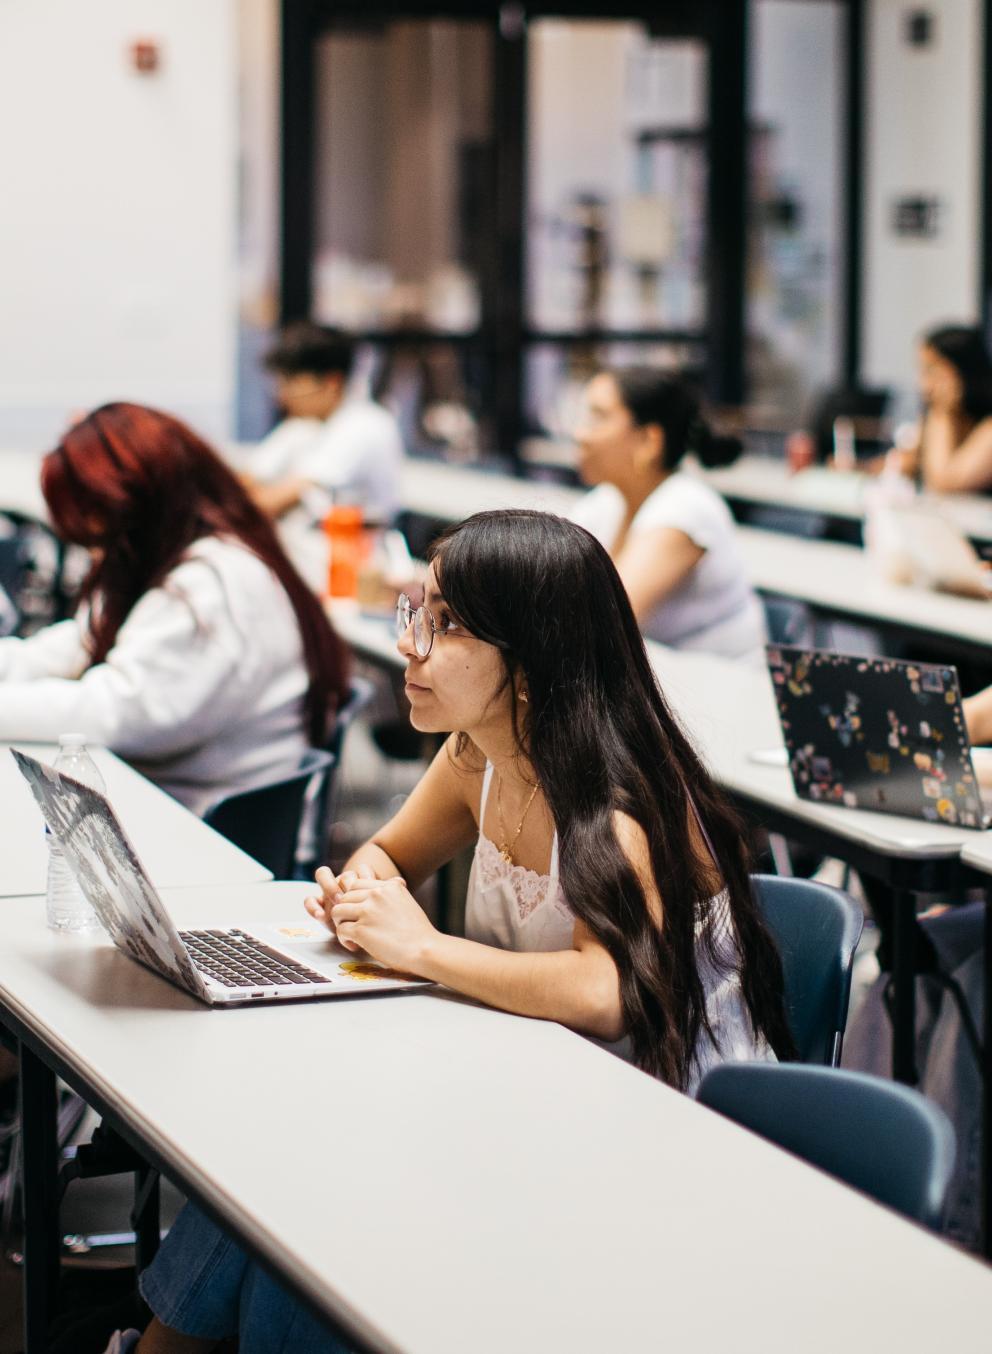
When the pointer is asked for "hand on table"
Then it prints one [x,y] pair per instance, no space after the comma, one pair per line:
[380,916]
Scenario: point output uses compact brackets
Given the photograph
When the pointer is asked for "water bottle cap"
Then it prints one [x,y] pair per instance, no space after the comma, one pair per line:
[72,740]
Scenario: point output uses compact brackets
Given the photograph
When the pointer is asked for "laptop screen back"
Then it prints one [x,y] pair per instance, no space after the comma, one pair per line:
[876,733]
[109,873]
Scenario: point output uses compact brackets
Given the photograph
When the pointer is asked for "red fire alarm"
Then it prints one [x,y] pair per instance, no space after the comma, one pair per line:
[146,55]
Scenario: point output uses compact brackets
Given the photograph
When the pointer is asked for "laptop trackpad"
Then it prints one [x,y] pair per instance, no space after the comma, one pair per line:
[307,942]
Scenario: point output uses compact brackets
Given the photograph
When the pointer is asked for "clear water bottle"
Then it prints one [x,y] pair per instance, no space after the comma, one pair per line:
[67,906]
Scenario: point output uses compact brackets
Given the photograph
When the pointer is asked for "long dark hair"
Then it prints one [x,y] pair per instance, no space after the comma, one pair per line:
[601,738]
[668,401]
[142,487]
[964,347]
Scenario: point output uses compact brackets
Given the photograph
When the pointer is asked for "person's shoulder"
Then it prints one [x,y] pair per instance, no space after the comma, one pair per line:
[362,413]
[600,509]
[682,495]
[213,564]
[363,425]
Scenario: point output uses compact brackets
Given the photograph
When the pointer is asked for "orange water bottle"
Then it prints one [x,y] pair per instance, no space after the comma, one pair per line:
[343,528]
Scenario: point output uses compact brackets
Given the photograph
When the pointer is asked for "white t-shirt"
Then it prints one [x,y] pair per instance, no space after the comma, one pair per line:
[714,609]
[356,455]
[203,690]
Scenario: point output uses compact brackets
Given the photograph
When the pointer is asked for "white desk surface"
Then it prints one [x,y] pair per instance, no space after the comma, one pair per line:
[768,482]
[454,1178]
[823,573]
[176,848]
[842,578]
[729,711]
[978,853]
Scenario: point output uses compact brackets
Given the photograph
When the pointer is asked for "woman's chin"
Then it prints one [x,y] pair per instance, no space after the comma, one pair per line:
[423,723]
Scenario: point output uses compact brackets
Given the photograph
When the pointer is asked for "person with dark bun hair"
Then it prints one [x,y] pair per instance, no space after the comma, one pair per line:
[669,534]
[331,442]
[953,449]
[197,652]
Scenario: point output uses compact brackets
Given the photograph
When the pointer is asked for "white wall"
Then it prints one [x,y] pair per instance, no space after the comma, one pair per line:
[923,136]
[118,228]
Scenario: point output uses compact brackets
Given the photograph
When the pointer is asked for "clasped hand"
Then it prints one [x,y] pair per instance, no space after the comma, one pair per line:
[380,916]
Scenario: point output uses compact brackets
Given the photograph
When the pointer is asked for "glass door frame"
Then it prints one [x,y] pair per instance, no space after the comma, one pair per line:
[503,332]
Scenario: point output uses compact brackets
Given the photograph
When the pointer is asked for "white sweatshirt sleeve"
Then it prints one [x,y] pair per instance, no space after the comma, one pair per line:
[56,651]
[166,684]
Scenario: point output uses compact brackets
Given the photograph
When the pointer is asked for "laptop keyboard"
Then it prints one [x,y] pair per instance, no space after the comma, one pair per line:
[235,959]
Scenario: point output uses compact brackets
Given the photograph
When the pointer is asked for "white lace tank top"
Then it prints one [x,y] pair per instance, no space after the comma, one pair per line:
[513,908]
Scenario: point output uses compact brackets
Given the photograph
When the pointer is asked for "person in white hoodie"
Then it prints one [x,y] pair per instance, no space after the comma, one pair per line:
[197,652]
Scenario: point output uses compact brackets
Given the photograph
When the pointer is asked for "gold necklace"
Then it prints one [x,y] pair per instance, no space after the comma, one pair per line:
[506,849]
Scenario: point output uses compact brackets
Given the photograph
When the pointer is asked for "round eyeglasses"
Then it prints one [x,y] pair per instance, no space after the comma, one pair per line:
[422,620]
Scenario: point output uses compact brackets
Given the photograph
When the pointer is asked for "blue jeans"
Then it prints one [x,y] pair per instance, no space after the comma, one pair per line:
[201,1283]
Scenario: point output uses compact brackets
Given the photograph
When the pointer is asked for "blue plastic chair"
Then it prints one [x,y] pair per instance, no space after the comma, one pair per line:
[362,693]
[265,820]
[883,1138]
[320,799]
[816,929]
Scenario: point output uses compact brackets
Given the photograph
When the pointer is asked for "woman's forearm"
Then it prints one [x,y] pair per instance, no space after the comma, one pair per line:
[578,988]
[378,860]
[978,716]
[937,448]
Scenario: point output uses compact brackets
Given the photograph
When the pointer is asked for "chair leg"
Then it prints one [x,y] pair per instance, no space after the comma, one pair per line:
[781,856]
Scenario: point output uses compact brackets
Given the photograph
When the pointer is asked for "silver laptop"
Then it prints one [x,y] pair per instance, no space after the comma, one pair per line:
[222,967]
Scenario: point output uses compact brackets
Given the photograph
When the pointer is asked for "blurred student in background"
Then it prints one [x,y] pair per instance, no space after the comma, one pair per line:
[347,447]
[951,450]
[197,652]
[669,534]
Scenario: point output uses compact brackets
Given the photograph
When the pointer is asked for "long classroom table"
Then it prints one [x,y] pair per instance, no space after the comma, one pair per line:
[433,1176]
[765,482]
[835,580]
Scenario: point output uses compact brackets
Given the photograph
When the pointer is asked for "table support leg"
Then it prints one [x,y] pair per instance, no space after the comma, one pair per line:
[904,926]
[145,1218]
[41,1232]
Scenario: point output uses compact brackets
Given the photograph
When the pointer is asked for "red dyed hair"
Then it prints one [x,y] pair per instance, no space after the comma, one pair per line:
[142,487]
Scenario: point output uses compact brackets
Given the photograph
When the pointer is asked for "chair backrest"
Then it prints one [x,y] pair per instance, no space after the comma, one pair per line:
[265,819]
[361,694]
[879,1136]
[864,405]
[32,582]
[816,929]
[789,621]
[320,797]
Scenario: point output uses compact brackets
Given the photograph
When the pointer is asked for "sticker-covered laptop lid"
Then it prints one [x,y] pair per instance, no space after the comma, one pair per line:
[876,733]
[109,872]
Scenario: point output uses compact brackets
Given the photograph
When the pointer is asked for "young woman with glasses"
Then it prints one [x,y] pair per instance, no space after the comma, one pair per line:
[609,889]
